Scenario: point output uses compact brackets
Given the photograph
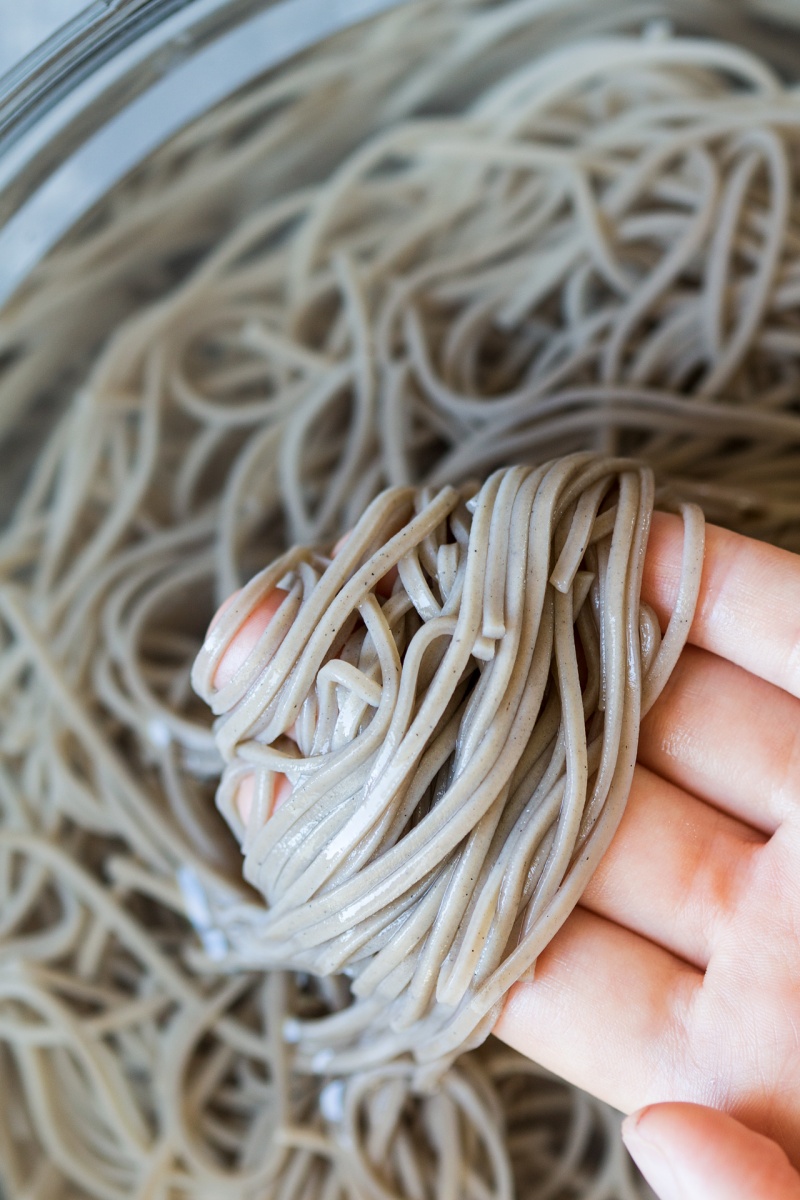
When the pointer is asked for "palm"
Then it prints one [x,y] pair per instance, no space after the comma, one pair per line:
[678,977]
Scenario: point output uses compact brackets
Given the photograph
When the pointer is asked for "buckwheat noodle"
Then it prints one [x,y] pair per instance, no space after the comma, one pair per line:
[454,784]
[496,308]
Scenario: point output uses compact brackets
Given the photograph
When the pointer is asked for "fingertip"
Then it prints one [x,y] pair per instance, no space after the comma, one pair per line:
[247,635]
[223,608]
[662,564]
[686,1150]
[747,610]
[246,791]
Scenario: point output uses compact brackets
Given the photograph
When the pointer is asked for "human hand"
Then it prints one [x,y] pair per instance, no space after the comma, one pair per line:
[684,950]
[688,1152]
[678,976]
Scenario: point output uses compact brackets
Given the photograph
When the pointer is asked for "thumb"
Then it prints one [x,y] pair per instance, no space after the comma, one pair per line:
[688,1152]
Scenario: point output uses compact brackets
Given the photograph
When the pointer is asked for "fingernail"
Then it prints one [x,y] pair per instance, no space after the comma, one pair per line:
[651,1159]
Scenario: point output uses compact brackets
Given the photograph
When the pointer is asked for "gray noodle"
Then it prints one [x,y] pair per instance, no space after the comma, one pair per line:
[569,268]
[454,781]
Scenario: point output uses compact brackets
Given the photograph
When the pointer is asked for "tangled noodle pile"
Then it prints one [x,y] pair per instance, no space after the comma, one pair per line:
[518,233]
[454,782]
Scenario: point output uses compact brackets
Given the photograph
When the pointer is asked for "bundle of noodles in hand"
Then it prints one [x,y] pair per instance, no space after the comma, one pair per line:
[431,740]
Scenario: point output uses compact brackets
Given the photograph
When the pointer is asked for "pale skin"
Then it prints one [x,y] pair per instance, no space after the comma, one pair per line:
[673,990]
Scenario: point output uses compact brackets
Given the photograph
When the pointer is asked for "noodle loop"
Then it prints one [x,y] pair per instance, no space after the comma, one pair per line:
[467,234]
[454,780]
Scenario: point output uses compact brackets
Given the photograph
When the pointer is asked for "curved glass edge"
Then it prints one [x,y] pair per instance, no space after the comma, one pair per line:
[71,51]
[29,42]
[186,90]
[123,63]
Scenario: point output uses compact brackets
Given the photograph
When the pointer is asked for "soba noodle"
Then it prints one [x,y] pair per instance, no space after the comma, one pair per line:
[454,783]
[407,288]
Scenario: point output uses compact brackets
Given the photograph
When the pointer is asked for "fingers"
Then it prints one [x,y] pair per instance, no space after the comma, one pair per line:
[245,794]
[686,1151]
[676,871]
[240,648]
[247,635]
[728,737]
[223,608]
[749,606]
[607,1010]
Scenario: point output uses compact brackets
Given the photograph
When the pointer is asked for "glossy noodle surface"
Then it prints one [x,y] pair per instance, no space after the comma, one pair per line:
[490,274]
